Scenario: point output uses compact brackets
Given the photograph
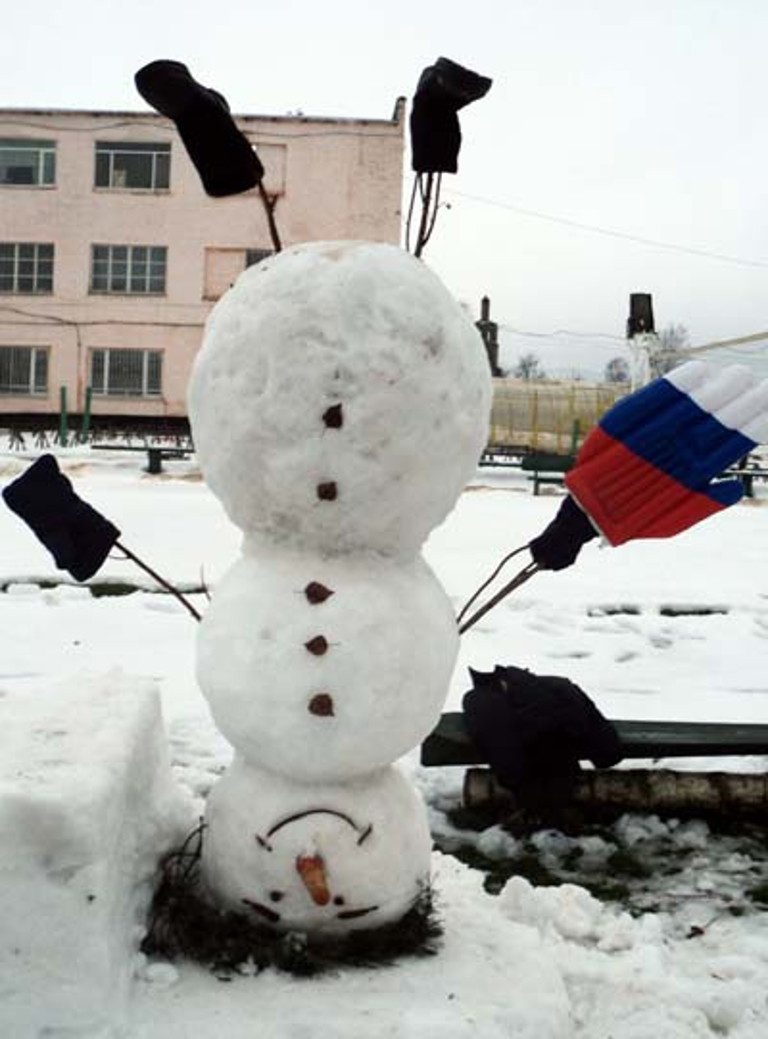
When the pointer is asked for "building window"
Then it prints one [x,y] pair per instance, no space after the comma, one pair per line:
[126,373]
[274,160]
[224,266]
[133,165]
[128,269]
[27,162]
[253,256]
[24,370]
[26,267]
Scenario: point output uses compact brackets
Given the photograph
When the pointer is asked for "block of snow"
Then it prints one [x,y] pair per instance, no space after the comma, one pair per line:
[87,805]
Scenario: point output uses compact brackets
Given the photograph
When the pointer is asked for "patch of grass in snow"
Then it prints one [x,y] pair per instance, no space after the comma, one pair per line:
[184,924]
[759,894]
[643,863]
[101,589]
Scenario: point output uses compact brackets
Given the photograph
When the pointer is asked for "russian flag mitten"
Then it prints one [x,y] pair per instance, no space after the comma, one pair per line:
[649,469]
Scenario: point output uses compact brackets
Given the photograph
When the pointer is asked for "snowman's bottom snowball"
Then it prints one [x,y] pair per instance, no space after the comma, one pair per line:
[322,859]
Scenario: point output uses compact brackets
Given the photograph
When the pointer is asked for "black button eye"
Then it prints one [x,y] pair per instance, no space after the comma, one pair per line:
[276,896]
[338,900]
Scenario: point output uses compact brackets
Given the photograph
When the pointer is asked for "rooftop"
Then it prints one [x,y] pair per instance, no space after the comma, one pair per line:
[41,113]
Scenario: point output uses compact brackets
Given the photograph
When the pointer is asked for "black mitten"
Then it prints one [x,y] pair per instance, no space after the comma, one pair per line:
[78,537]
[222,155]
[535,729]
[559,545]
[443,89]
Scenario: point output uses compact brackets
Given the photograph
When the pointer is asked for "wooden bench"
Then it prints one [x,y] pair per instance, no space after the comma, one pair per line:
[505,456]
[600,792]
[155,453]
[546,467]
[450,743]
[748,470]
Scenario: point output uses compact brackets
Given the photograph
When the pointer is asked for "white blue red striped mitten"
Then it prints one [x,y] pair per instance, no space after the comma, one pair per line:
[649,468]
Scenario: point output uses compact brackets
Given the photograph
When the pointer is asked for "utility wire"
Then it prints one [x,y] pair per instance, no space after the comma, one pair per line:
[164,124]
[609,232]
[756,337]
[562,332]
[55,319]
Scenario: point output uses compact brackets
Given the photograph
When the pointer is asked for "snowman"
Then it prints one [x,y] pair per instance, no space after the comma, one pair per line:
[338,405]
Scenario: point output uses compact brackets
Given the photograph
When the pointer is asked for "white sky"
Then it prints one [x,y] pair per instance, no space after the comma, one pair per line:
[643,119]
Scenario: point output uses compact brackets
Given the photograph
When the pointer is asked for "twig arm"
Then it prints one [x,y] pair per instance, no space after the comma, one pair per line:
[269,208]
[160,580]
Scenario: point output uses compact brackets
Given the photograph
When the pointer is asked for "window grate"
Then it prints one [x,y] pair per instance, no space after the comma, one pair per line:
[24,370]
[126,373]
[129,269]
[253,256]
[26,267]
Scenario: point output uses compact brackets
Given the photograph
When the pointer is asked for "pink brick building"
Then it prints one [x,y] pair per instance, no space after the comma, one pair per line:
[111,255]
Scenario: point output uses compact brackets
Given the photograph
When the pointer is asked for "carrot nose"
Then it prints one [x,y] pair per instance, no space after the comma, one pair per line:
[311,869]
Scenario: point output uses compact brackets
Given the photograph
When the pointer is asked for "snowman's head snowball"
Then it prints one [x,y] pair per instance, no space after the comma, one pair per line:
[340,399]
[322,859]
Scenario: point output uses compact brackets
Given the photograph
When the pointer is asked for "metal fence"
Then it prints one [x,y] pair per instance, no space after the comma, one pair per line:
[547,416]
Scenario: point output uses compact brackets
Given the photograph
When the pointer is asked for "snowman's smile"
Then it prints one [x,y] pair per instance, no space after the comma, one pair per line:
[273,917]
[269,914]
[353,914]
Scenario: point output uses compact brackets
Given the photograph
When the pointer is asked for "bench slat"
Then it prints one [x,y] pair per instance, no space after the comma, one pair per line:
[450,744]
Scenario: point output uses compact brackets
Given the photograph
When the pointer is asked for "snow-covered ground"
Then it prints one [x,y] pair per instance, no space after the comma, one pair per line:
[538,962]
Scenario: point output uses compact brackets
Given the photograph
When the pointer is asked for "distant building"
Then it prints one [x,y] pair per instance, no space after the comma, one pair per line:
[111,255]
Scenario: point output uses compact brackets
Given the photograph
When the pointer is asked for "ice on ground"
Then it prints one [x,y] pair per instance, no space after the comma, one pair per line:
[346,366]
[87,805]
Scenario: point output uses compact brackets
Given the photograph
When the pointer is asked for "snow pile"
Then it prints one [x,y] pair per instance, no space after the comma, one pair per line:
[626,978]
[493,978]
[86,807]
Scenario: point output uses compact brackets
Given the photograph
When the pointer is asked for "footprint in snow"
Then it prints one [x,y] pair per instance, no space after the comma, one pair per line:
[661,641]
[547,626]
[622,658]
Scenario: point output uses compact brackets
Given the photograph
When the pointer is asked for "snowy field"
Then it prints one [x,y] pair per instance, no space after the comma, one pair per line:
[531,962]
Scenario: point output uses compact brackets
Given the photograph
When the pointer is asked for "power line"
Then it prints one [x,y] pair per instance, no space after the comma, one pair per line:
[562,332]
[164,124]
[42,319]
[720,344]
[755,337]
[611,233]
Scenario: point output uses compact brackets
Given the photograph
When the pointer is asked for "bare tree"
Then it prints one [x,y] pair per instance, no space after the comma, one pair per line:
[617,370]
[669,349]
[528,367]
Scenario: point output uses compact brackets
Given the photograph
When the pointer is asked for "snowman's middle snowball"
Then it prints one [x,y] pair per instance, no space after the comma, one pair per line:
[326,684]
